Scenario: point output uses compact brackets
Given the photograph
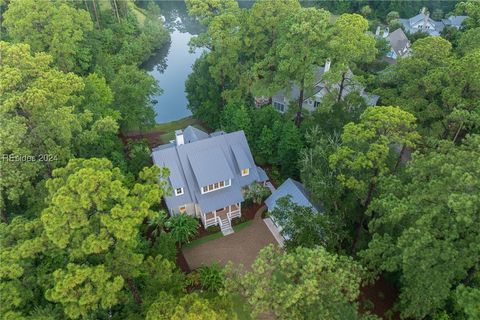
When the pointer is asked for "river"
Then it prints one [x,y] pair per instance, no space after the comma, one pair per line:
[172,64]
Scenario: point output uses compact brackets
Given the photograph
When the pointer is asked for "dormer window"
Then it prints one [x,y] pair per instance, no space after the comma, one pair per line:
[245,172]
[178,191]
[216,186]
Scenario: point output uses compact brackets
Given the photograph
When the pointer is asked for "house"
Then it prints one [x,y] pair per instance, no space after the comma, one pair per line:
[454,21]
[282,99]
[208,173]
[422,22]
[297,194]
[399,44]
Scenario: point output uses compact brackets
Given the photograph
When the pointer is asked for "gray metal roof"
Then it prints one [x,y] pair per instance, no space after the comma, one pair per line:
[206,160]
[455,21]
[297,192]
[241,157]
[191,134]
[209,166]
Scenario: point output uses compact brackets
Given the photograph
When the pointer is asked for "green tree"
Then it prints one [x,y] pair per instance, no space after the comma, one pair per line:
[91,212]
[303,37]
[301,226]
[82,290]
[350,44]
[132,90]
[416,84]
[183,227]
[467,299]
[189,307]
[366,148]
[288,148]
[261,34]
[52,27]
[37,116]
[320,285]
[367,152]
[426,227]
[237,117]
[204,94]
[264,146]
[257,193]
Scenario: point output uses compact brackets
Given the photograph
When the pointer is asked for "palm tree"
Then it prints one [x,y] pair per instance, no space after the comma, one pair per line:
[157,223]
[182,227]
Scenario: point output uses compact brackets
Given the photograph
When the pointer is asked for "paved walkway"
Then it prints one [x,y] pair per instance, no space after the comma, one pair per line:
[270,186]
[274,230]
[240,247]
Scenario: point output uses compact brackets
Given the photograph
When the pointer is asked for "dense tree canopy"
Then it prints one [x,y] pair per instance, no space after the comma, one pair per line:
[426,226]
[302,284]
[52,27]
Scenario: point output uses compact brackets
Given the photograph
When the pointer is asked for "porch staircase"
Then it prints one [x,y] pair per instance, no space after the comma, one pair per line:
[226,226]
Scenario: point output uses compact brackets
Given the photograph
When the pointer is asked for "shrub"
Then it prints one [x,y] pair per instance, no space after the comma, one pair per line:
[257,192]
[182,227]
[192,279]
[213,229]
[238,220]
[211,277]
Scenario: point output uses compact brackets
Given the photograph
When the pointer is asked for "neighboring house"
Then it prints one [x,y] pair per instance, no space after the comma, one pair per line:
[399,44]
[298,195]
[422,22]
[282,99]
[207,174]
[454,21]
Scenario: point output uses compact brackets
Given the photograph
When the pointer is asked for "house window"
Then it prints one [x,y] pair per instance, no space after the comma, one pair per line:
[279,106]
[182,209]
[216,186]
[245,172]
[178,191]
[316,104]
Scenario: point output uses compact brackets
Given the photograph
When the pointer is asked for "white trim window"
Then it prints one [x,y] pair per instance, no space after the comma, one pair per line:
[182,209]
[178,191]
[245,172]
[216,186]
[279,106]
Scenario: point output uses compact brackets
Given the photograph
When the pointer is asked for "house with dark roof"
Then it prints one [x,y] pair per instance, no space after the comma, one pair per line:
[312,98]
[423,23]
[297,194]
[208,173]
[399,44]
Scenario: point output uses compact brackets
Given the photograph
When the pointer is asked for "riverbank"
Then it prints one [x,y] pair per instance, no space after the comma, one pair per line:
[162,133]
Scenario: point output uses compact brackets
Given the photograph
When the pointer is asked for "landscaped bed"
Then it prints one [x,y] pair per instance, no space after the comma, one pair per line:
[215,235]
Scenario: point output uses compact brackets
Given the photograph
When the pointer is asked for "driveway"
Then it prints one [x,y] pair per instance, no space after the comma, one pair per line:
[240,247]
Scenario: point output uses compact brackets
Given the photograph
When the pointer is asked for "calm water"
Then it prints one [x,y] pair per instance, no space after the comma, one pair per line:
[172,64]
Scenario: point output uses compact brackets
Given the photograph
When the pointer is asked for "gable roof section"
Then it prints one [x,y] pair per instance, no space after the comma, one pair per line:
[191,134]
[398,41]
[455,21]
[297,192]
[240,157]
[210,166]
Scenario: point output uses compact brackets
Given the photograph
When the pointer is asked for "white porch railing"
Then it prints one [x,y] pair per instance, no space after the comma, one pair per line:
[231,211]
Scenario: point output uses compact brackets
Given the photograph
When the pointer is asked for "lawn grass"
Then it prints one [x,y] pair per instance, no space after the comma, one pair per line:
[216,235]
[177,124]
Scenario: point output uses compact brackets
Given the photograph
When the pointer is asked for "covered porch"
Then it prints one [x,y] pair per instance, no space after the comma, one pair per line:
[215,217]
